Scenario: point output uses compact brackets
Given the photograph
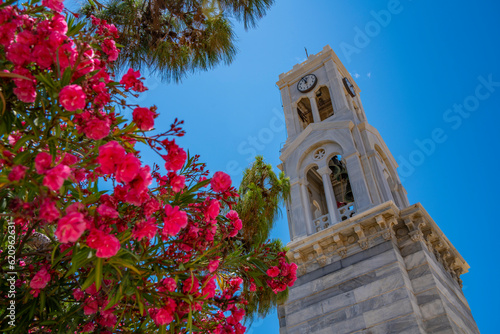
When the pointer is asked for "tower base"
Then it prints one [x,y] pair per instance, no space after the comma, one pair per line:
[383,271]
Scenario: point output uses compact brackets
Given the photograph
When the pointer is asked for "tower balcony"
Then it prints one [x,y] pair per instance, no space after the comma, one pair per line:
[345,212]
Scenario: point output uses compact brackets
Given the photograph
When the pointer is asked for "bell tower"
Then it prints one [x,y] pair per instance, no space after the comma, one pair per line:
[368,261]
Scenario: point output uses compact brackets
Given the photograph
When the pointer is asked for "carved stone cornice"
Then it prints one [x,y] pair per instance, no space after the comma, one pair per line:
[370,228]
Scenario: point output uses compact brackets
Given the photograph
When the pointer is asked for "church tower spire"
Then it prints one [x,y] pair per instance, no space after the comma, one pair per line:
[368,261]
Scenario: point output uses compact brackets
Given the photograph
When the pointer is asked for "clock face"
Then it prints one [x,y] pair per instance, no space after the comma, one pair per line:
[350,88]
[307,83]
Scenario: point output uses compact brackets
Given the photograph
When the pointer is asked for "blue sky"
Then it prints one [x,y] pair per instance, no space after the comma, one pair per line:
[412,71]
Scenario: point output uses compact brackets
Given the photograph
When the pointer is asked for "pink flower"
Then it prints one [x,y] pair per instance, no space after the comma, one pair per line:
[236,282]
[174,220]
[220,182]
[169,284]
[164,316]
[273,271]
[55,5]
[106,211]
[212,210]
[26,37]
[177,182]
[78,294]
[145,229]
[236,316]
[89,327]
[208,290]
[19,54]
[25,88]
[58,24]
[75,207]
[55,177]
[130,80]
[67,56]
[40,280]
[175,158]
[109,48]
[69,159]
[97,128]
[43,161]
[42,55]
[151,207]
[90,306]
[127,170]
[110,155]
[7,33]
[49,211]
[213,265]
[253,287]
[292,275]
[72,97]
[107,245]
[26,94]
[70,227]
[138,194]
[107,319]
[237,225]
[191,286]
[17,173]
[144,118]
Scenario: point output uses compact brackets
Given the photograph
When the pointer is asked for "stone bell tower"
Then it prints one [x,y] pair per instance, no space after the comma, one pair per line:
[368,262]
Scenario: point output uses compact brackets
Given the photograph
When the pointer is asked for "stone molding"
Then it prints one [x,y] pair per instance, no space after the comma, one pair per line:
[288,149]
[372,227]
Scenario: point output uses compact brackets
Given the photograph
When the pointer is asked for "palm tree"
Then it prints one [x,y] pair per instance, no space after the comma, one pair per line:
[262,193]
[173,38]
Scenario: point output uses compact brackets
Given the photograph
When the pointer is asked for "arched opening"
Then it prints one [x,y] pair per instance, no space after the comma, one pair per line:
[317,201]
[324,102]
[304,111]
[341,187]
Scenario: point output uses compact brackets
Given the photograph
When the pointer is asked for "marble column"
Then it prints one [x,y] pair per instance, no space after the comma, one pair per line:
[306,203]
[315,110]
[331,203]
[358,183]
[339,100]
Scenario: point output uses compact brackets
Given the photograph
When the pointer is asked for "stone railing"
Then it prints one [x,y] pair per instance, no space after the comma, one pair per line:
[347,211]
[322,222]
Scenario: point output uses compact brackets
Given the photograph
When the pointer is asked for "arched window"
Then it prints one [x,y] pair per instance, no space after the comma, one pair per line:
[324,102]
[341,187]
[304,111]
[317,201]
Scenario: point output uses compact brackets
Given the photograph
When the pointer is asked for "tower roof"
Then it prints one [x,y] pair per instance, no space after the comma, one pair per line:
[311,63]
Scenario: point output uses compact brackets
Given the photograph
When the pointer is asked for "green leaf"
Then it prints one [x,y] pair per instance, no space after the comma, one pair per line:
[125,263]
[90,279]
[139,300]
[47,81]
[22,141]
[74,29]
[98,273]
[20,157]
[79,260]
[66,77]
[114,300]
[42,301]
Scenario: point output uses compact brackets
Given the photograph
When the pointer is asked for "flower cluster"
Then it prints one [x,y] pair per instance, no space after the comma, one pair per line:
[282,275]
[155,248]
